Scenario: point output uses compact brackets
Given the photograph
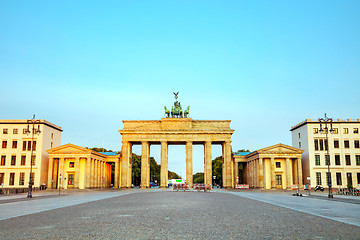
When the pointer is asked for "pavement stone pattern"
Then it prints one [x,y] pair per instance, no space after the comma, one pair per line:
[154,214]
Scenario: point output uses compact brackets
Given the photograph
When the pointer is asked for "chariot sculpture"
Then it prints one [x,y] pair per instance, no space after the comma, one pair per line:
[176,110]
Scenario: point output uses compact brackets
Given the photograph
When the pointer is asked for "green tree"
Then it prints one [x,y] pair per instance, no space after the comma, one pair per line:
[217,170]
[173,175]
[198,177]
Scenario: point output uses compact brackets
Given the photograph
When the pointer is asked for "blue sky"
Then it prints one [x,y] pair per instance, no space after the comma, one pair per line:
[265,65]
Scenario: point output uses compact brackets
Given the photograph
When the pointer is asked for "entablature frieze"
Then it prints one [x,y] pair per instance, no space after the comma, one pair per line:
[274,156]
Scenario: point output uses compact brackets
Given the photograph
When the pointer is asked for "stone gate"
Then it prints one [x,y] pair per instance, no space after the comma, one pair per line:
[180,131]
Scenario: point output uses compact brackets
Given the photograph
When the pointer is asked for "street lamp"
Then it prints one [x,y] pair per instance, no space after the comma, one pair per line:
[214,177]
[327,121]
[33,131]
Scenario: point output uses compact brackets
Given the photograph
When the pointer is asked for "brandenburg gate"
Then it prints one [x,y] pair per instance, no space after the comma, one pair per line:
[175,131]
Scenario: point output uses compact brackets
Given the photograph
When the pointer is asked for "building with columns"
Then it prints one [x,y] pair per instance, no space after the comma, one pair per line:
[343,145]
[71,166]
[274,167]
[15,152]
[185,131]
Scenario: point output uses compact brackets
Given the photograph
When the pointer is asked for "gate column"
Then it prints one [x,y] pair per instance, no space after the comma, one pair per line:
[145,166]
[207,163]
[227,180]
[164,165]
[189,163]
[125,165]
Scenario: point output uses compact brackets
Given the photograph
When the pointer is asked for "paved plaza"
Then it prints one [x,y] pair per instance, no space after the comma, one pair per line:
[163,214]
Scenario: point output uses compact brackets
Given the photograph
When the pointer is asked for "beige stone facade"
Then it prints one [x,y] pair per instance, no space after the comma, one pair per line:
[274,167]
[166,131]
[80,168]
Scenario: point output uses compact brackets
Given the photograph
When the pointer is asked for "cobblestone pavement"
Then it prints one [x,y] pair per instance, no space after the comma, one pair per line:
[173,215]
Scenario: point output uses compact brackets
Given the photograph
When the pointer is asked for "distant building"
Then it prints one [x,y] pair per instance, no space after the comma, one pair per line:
[15,153]
[343,147]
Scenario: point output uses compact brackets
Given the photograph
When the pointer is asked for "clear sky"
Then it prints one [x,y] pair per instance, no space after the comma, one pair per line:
[265,65]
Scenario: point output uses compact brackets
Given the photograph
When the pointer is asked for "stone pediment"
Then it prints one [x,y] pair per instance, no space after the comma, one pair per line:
[69,148]
[280,149]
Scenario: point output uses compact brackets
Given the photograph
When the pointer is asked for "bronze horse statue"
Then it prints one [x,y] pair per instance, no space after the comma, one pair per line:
[187,112]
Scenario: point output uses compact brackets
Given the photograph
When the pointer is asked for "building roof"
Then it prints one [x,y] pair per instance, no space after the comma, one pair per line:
[109,153]
[24,121]
[308,121]
[241,153]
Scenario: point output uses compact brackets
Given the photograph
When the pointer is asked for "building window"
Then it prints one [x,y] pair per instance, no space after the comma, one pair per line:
[318,178]
[33,160]
[347,160]
[336,143]
[321,143]
[327,160]
[3,160]
[29,146]
[356,130]
[52,136]
[349,179]
[4,144]
[23,160]
[356,144]
[346,130]
[12,179]
[299,135]
[346,144]
[357,160]
[299,144]
[278,180]
[335,131]
[14,144]
[338,178]
[15,131]
[315,130]
[71,179]
[358,178]
[1,178]
[316,145]
[24,146]
[32,178]
[5,131]
[22,179]
[34,146]
[328,177]
[337,159]
[25,131]
[51,145]
[71,164]
[317,160]
[326,144]
[13,160]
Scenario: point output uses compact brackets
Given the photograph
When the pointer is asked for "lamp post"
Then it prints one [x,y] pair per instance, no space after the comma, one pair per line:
[327,121]
[33,131]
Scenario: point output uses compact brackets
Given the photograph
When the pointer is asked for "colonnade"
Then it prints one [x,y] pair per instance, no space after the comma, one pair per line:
[96,173]
[145,163]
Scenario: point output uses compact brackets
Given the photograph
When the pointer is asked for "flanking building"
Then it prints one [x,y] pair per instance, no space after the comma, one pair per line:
[15,153]
[344,152]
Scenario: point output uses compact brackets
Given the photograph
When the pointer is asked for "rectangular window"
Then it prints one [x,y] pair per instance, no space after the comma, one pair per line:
[337,160]
[315,130]
[52,136]
[12,179]
[32,178]
[326,144]
[33,160]
[349,179]
[356,144]
[24,145]
[299,135]
[13,160]
[356,130]
[278,164]
[71,179]
[358,178]
[14,144]
[327,160]
[317,160]
[71,164]
[318,178]
[347,160]
[5,131]
[328,177]
[4,144]
[23,160]
[15,131]
[346,130]
[336,143]
[346,144]
[24,131]
[34,145]
[3,160]
[338,178]
[357,160]
[336,131]
[278,180]
[51,145]
[316,145]
[29,146]
[2,178]
[321,143]
[299,144]
[22,179]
